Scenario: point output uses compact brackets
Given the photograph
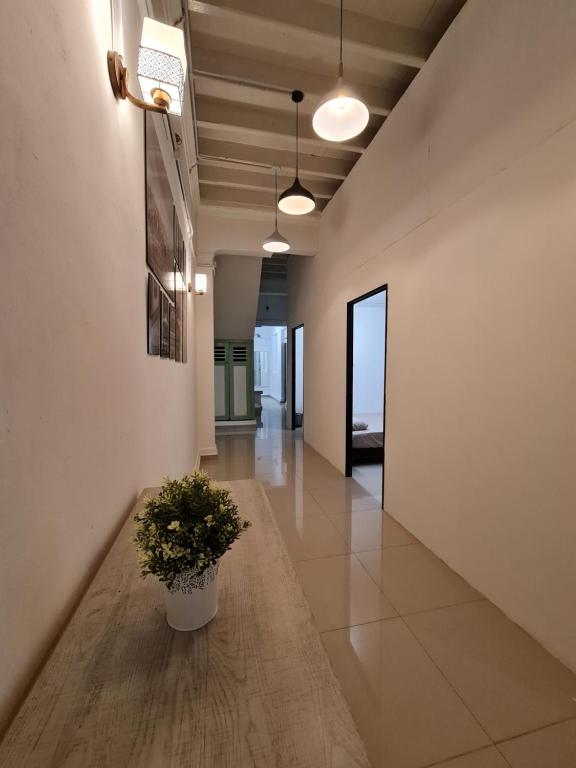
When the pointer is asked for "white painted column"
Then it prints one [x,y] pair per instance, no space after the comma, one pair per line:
[204,336]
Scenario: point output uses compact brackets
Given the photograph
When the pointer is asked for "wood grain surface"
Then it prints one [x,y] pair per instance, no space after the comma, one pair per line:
[253,688]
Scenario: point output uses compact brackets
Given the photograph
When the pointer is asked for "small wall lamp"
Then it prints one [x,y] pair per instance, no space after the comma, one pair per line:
[161,69]
[200,284]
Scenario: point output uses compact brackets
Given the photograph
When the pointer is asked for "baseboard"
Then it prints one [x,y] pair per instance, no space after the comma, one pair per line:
[212,450]
[244,423]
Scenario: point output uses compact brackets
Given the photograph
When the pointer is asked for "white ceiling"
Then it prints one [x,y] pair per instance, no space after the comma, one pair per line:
[248,55]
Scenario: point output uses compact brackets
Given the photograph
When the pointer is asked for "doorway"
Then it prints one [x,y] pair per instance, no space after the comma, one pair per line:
[366,389]
[297,377]
[269,368]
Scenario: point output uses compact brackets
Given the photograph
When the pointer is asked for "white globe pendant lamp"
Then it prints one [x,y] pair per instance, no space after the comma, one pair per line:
[275,243]
[341,114]
[296,200]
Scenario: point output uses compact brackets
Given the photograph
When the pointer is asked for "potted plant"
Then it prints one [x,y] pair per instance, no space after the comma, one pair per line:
[181,534]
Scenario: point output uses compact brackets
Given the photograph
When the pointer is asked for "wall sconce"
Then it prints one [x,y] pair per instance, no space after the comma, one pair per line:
[200,284]
[161,69]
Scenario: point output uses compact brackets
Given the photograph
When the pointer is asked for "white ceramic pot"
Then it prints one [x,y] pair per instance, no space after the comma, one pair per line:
[193,600]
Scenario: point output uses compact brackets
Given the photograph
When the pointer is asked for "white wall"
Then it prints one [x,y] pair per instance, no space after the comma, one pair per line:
[205,403]
[268,339]
[464,205]
[236,285]
[263,345]
[369,344]
[299,370]
[88,418]
[272,308]
[278,340]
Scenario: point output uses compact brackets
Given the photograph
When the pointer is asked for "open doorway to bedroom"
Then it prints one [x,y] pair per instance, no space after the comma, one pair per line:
[298,377]
[366,390]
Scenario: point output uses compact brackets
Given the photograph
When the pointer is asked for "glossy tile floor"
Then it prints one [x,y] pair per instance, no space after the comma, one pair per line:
[434,674]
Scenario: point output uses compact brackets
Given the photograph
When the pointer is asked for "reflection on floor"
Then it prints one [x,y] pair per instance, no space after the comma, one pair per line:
[433,673]
[369,476]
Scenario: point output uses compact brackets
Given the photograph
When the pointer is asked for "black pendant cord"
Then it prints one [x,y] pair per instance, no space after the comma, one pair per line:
[341,64]
[275,199]
[296,139]
[297,97]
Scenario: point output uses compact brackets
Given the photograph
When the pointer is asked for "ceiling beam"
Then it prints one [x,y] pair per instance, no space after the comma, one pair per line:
[243,198]
[245,120]
[258,75]
[308,18]
[263,181]
[224,153]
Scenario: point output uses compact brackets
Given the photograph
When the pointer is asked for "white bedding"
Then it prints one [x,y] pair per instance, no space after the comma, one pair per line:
[372,437]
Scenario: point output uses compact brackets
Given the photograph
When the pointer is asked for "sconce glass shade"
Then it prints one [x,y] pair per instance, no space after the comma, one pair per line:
[341,115]
[200,283]
[296,200]
[162,65]
[275,243]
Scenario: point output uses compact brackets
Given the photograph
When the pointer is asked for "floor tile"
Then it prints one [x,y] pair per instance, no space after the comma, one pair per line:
[484,758]
[295,502]
[309,537]
[341,593]
[414,579]
[362,529]
[370,529]
[505,677]
[341,497]
[406,712]
[314,475]
[552,747]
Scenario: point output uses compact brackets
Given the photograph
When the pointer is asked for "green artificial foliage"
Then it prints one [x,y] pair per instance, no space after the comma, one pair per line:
[188,526]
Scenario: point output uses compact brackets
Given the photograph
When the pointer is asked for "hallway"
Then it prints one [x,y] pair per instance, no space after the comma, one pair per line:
[430,669]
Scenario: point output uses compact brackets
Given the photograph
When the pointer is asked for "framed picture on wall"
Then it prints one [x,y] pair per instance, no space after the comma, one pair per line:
[160,242]
[183,270]
[172,332]
[179,250]
[165,326]
[153,316]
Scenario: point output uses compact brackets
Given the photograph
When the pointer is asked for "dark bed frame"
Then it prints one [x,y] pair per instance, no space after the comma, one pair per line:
[367,455]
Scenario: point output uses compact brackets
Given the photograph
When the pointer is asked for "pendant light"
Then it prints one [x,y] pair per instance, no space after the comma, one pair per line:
[341,114]
[296,200]
[275,243]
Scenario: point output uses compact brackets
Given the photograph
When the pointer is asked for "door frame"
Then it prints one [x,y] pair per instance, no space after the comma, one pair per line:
[350,377]
[293,374]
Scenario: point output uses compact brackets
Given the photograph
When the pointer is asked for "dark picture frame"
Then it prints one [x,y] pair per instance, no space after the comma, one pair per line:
[153,312]
[160,214]
[179,249]
[165,326]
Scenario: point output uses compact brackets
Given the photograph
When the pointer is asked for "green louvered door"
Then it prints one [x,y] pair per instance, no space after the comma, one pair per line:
[221,384]
[233,380]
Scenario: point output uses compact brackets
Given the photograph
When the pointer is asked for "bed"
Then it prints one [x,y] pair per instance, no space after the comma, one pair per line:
[368,444]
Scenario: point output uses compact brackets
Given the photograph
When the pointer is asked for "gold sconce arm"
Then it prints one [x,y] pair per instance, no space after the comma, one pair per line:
[119,81]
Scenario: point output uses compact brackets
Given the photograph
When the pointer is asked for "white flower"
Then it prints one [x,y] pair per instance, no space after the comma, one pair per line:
[174,525]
